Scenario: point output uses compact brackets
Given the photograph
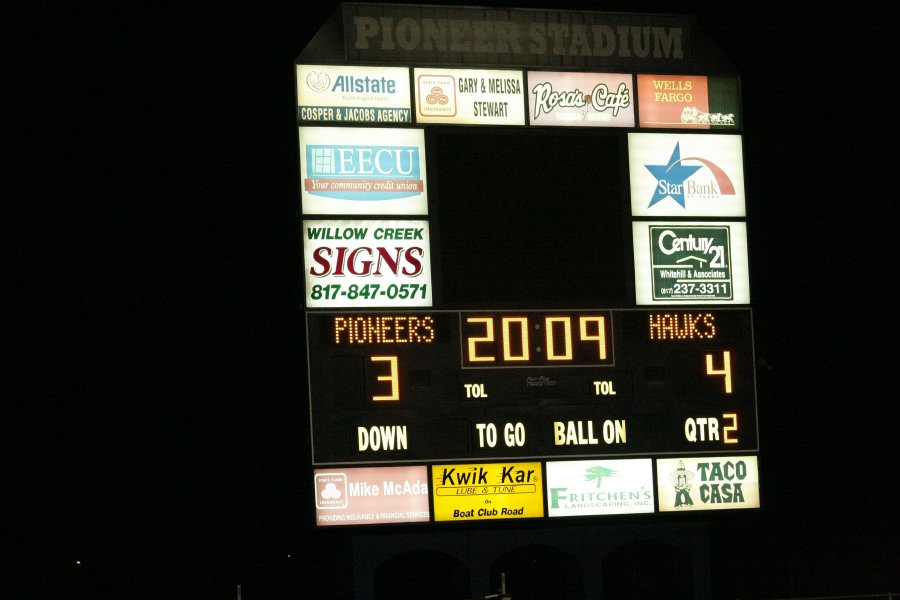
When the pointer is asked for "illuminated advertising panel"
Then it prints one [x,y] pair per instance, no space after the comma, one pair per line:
[370,495]
[698,262]
[599,487]
[467,96]
[477,492]
[707,483]
[686,175]
[580,99]
[353,94]
[367,263]
[362,171]
[688,102]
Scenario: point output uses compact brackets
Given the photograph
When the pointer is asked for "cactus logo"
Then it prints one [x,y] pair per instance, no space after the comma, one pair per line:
[674,179]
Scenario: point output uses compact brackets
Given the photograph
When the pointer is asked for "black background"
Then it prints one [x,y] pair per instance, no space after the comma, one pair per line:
[154,427]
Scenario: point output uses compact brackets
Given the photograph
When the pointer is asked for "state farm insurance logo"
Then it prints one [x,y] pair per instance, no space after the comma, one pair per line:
[437,95]
[331,490]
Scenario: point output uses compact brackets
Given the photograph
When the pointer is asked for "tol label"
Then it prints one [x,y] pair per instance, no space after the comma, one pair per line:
[475,390]
[604,388]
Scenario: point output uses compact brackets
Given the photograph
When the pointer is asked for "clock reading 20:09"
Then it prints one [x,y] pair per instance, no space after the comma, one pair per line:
[449,385]
[535,339]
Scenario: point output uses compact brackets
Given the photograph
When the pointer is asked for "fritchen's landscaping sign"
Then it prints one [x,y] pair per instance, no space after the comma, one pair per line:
[599,487]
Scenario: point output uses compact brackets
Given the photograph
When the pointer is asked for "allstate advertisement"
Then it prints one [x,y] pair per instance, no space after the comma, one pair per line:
[353,94]
[691,262]
[367,263]
[362,171]
[599,487]
[686,175]
[580,99]
[707,483]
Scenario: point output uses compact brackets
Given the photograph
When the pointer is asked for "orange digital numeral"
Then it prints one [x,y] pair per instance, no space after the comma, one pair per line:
[488,338]
[393,378]
[725,371]
[728,429]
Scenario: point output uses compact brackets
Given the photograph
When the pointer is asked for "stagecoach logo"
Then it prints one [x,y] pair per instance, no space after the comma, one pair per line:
[674,179]
[681,481]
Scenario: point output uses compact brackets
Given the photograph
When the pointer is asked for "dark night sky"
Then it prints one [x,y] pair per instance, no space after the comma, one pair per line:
[151,414]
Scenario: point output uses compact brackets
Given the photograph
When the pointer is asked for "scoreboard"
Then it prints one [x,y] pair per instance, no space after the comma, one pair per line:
[526,277]
[459,385]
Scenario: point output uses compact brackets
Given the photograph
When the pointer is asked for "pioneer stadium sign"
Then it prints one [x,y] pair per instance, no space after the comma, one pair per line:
[414,34]
[419,35]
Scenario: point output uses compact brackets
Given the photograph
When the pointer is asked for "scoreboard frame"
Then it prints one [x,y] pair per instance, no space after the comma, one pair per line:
[428,399]
[442,385]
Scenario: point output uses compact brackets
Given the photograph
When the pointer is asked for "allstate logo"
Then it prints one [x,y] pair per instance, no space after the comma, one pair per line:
[318,82]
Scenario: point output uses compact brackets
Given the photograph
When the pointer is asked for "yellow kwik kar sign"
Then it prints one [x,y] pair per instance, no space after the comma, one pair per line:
[487,491]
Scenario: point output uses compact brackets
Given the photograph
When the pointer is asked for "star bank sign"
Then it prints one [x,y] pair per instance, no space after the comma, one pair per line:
[355,171]
[689,175]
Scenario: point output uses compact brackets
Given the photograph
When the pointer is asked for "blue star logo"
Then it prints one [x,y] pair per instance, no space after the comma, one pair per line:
[670,178]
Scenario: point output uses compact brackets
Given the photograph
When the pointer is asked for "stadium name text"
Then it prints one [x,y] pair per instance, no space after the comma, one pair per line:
[436,35]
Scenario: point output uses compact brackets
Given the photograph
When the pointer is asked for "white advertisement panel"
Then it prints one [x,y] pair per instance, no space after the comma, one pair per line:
[467,96]
[580,99]
[367,263]
[362,171]
[353,94]
[691,263]
[707,483]
[599,487]
[686,175]
[363,496]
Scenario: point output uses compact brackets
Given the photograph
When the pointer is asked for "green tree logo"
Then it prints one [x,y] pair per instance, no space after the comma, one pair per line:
[598,473]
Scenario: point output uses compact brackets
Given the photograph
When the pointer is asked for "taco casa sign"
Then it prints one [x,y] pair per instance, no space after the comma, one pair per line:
[707,483]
